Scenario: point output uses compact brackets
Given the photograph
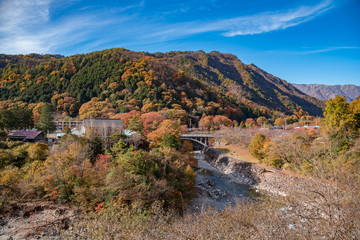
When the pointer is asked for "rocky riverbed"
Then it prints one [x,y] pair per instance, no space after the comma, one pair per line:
[261,178]
[217,189]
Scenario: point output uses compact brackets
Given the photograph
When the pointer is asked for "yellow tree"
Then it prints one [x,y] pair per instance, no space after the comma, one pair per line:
[38,151]
[261,120]
[338,115]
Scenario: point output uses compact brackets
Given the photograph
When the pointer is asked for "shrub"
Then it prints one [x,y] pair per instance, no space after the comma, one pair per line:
[38,151]
[259,146]
[142,178]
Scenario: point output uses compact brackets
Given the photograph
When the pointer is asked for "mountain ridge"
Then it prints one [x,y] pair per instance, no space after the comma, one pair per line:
[325,92]
[199,82]
[252,82]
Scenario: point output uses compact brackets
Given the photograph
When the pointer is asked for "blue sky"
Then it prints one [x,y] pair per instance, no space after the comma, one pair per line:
[308,41]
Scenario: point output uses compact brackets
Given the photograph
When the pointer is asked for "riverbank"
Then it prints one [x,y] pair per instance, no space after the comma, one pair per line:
[258,175]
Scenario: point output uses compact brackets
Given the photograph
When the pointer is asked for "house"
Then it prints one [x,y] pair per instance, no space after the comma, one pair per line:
[53,137]
[102,127]
[27,136]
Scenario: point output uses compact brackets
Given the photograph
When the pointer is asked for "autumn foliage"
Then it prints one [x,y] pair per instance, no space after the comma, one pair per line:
[151,121]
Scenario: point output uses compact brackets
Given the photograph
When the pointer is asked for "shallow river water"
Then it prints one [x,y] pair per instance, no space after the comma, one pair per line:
[216,189]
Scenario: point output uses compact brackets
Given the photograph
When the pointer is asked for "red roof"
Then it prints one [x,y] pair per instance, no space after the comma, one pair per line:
[25,134]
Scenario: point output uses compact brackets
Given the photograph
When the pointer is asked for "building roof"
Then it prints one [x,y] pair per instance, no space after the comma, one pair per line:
[31,135]
[87,122]
[128,132]
[77,132]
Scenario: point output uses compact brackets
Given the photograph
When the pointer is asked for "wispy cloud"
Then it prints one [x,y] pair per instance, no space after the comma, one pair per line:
[28,25]
[271,21]
[249,25]
[22,27]
[302,51]
[322,50]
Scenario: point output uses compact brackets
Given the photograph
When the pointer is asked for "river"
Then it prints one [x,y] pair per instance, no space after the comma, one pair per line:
[217,190]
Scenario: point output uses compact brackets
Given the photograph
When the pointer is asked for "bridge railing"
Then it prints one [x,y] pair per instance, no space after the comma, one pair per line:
[197,135]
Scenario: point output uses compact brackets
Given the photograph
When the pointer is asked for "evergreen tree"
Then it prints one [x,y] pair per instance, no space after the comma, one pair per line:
[135,124]
[23,117]
[16,118]
[7,120]
[96,147]
[170,140]
[121,147]
[46,120]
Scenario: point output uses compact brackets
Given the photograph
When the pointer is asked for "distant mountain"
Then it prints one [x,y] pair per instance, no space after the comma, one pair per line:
[198,82]
[325,92]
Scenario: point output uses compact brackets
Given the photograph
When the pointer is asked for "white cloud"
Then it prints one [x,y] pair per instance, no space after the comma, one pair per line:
[303,51]
[249,25]
[19,14]
[267,22]
[46,38]
[27,26]
[329,49]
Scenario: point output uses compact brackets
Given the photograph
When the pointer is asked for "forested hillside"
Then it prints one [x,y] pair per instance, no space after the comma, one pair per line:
[246,82]
[121,80]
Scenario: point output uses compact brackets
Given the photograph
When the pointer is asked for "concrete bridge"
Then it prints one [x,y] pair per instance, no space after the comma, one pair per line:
[200,138]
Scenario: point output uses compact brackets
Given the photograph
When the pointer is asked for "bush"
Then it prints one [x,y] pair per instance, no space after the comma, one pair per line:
[38,151]
[3,145]
[259,146]
[142,178]
[5,158]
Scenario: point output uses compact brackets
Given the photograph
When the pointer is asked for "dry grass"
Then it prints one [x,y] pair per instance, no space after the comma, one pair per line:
[241,153]
[320,217]
[238,152]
